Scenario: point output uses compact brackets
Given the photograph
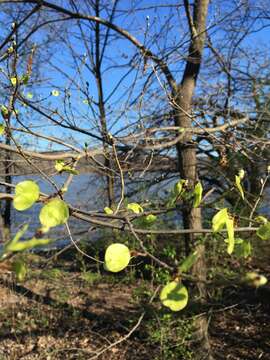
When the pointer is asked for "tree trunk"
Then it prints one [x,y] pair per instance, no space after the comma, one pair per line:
[188,161]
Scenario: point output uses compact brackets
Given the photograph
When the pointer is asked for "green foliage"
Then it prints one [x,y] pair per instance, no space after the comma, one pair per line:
[20,269]
[219,221]
[26,245]
[188,262]
[54,213]
[55,93]
[117,257]
[239,186]
[243,248]
[177,192]
[264,231]
[60,166]
[255,280]
[26,194]
[174,295]
[198,190]
[135,208]
[2,129]
[108,210]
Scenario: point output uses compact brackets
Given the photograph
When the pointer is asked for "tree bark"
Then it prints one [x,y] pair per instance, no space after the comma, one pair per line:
[188,161]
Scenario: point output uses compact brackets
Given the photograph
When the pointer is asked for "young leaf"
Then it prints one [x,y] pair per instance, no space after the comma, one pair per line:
[26,194]
[13,81]
[264,231]
[117,257]
[242,249]
[55,93]
[134,207]
[188,262]
[150,219]
[239,186]
[61,167]
[230,230]
[174,295]
[219,220]
[2,129]
[108,210]
[20,269]
[178,187]
[254,279]
[198,190]
[54,213]
[27,244]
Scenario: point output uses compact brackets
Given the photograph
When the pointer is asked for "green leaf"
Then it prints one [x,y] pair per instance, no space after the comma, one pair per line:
[150,219]
[108,210]
[264,231]
[20,269]
[242,249]
[55,93]
[29,95]
[117,257]
[54,213]
[61,167]
[178,187]
[134,207]
[174,296]
[13,81]
[188,262]
[2,129]
[261,219]
[24,79]
[239,186]
[4,111]
[27,244]
[254,279]
[16,238]
[198,190]
[230,230]
[219,220]
[26,194]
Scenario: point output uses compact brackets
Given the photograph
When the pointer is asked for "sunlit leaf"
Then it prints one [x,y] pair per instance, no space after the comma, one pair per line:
[27,244]
[261,219]
[198,190]
[61,167]
[254,279]
[54,213]
[150,219]
[29,95]
[4,111]
[230,230]
[264,231]
[219,220]
[188,262]
[108,210]
[13,81]
[26,194]
[134,207]
[117,257]
[55,93]
[174,296]
[2,129]
[239,186]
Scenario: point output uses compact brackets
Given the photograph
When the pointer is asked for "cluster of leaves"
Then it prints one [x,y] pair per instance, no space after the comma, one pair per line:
[174,294]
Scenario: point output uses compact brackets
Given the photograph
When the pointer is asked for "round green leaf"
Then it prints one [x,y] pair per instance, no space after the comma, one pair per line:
[54,213]
[26,194]
[117,257]
[174,296]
